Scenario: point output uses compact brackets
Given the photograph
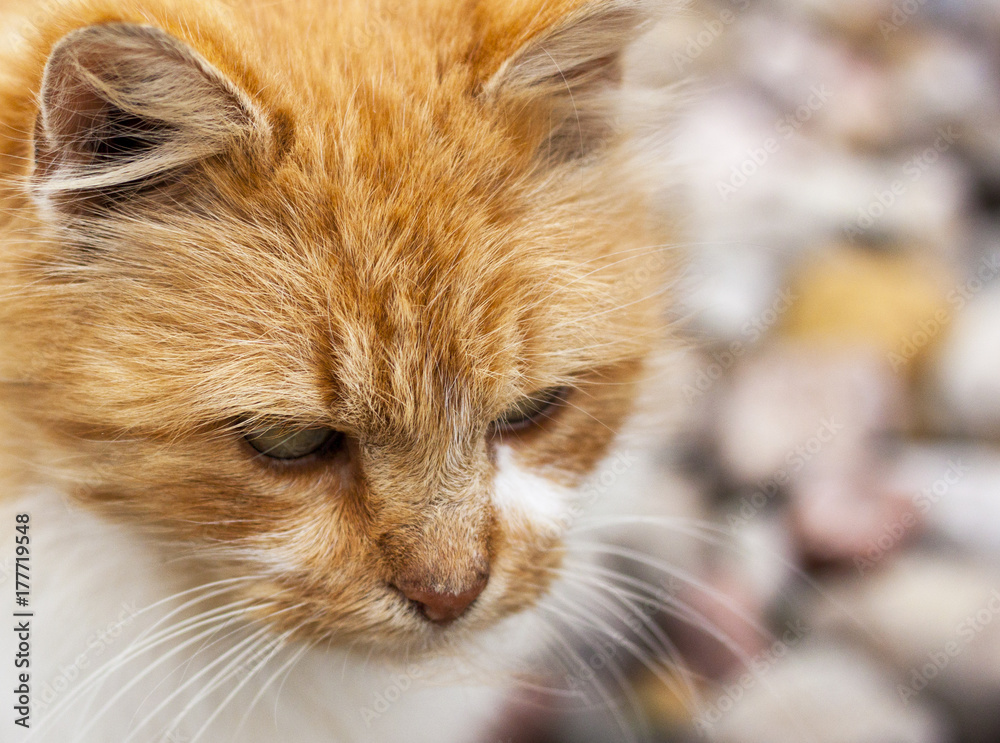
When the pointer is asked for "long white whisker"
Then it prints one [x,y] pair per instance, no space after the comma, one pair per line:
[235,649]
[655,637]
[252,645]
[277,645]
[214,627]
[286,666]
[606,697]
[132,651]
[683,575]
[690,527]
[579,613]
[685,613]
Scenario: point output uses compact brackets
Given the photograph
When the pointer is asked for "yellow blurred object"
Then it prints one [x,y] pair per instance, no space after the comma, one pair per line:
[669,706]
[895,304]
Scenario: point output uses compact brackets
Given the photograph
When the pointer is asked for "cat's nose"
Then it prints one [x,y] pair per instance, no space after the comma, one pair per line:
[442,607]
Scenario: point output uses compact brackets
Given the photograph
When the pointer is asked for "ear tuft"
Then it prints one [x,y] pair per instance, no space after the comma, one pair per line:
[575,67]
[124,103]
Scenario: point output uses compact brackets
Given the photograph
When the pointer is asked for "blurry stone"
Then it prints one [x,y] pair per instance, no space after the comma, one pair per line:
[857,17]
[751,190]
[844,516]
[796,410]
[893,304]
[805,423]
[763,555]
[965,377]
[936,619]
[730,297]
[983,140]
[953,489]
[859,116]
[969,16]
[821,693]
[730,280]
[790,59]
[937,80]
[669,705]
[826,89]
[915,201]
[717,623]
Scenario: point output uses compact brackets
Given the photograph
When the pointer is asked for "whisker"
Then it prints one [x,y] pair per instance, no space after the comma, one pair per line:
[253,645]
[605,696]
[235,649]
[679,573]
[580,613]
[160,661]
[132,651]
[722,538]
[276,646]
[286,666]
[653,635]
[679,610]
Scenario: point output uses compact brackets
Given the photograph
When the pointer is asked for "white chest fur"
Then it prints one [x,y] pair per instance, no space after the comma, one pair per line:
[91,586]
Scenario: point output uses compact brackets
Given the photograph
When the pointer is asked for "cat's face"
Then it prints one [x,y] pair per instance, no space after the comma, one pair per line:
[358,344]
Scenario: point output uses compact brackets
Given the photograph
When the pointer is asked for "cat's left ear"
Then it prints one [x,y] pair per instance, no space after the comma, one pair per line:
[125,104]
[567,59]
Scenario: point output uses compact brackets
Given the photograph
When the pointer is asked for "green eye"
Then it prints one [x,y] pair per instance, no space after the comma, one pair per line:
[287,442]
[531,410]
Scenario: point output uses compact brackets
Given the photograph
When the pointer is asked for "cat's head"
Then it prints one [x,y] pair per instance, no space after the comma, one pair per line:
[348,307]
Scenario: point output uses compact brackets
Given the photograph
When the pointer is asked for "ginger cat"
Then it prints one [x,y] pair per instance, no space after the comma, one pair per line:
[317,318]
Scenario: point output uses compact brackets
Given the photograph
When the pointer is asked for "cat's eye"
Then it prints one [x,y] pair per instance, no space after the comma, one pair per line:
[289,442]
[530,410]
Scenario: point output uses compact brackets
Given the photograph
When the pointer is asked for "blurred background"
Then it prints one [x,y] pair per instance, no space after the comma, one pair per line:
[835,470]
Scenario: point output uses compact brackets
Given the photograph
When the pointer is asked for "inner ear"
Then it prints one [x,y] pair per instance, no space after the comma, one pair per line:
[125,104]
[571,73]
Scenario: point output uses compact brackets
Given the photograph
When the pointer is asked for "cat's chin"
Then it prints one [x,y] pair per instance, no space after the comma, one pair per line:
[383,624]
[476,651]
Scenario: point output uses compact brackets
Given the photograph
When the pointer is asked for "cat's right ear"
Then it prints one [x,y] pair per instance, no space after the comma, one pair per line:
[124,105]
[563,60]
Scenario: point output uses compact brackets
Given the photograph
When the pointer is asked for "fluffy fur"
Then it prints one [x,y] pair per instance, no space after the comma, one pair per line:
[396,220]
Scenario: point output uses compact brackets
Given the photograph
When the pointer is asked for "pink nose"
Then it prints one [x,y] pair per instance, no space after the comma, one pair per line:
[440,607]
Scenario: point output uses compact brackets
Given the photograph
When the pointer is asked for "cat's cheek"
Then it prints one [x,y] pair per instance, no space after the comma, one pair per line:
[523,497]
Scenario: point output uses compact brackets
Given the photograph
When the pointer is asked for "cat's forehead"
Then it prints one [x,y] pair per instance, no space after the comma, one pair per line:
[404,293]
[436,258]
[424,306]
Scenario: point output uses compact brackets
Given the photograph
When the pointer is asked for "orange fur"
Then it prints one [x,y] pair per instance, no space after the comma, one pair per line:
[403,222]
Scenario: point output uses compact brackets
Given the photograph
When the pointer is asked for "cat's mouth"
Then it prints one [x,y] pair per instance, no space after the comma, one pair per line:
[388,619]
